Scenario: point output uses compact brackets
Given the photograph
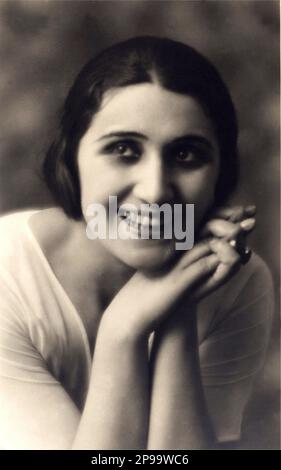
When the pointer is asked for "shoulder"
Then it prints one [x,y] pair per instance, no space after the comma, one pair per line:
[249,292]
[235,330]
[251,282]
[238,329]
[12,233]
[51,228]
[12,229]
[256,272]
[13,221]
[29,297]
[17,244]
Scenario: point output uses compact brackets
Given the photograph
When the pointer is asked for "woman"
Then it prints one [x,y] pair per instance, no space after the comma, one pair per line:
[130,343]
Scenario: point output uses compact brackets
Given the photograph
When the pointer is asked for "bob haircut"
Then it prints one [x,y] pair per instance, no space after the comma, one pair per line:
[176,67]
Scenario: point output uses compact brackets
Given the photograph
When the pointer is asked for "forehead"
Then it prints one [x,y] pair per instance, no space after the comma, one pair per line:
[152,110]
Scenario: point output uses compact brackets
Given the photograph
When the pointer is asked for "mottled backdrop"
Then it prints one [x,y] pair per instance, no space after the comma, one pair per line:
[44,43]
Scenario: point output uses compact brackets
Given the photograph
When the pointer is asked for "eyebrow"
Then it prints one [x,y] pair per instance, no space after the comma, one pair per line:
[178,140]
[193,138]
[137,135]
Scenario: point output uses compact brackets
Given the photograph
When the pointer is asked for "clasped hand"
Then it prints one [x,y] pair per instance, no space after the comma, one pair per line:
[147,298]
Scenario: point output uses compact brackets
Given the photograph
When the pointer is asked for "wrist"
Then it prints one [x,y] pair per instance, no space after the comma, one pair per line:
[119,329]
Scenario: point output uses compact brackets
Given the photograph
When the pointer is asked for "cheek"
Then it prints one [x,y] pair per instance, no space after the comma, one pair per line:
[98,182]
[94,180]
[198,188]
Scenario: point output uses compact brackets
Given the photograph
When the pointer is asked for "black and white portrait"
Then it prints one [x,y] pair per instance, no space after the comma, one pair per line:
[139,225]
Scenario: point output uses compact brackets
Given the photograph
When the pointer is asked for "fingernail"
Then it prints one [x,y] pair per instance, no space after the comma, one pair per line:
[251,210]
[248,224]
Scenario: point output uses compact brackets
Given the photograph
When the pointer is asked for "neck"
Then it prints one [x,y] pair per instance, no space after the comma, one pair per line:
[98,266]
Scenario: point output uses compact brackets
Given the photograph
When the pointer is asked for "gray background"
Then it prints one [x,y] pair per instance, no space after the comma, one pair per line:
[43,44]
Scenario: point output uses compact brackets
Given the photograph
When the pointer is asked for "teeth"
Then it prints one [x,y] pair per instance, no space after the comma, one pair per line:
[137,220]
[124,214]
[138,223]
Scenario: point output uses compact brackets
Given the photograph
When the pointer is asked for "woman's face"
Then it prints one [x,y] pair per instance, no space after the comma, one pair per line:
[148,145]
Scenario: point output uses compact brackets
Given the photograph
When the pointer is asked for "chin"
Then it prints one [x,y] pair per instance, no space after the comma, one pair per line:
[150,258]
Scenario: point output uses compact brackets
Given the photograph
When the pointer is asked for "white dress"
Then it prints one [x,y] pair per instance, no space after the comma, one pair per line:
[43,339]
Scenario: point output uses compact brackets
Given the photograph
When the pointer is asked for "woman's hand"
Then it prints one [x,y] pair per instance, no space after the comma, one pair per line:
[147,298]
[175,365]
[225,226]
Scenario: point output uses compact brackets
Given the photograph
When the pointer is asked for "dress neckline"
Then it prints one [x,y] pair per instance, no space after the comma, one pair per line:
[60,288]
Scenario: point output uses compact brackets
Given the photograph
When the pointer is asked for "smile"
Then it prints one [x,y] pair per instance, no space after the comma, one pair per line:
[141,221]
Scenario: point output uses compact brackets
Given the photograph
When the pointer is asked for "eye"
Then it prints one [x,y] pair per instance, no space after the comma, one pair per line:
[124,150]
[191,155]
[186,155]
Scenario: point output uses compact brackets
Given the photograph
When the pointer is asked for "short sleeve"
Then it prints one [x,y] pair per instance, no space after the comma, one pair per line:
[19,359]
[233,352]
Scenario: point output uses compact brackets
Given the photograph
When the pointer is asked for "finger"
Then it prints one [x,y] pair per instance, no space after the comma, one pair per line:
[235,213]
[219,277]
[199,271]
[248,225]
[250,210]
[221,228]
[228,230]
[229,265]
[226,253]
[199,250]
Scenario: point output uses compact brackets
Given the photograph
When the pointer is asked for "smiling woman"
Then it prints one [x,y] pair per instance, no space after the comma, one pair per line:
[131,343]
[161,149]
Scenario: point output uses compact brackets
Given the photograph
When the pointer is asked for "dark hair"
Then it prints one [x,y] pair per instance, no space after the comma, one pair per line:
[176,67]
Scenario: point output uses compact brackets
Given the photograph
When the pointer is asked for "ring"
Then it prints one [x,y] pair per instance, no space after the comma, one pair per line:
[243,251]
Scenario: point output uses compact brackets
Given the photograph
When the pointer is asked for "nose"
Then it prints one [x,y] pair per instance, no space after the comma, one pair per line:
[154,185]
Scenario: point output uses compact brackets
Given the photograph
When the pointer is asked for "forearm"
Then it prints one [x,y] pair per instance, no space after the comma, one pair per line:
[178,416]
[116,411]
